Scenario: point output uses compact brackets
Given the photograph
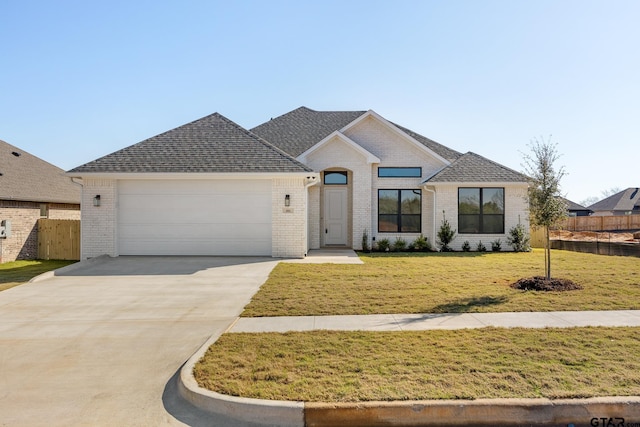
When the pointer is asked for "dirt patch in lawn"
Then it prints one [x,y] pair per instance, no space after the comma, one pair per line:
[540,283]
[593,236]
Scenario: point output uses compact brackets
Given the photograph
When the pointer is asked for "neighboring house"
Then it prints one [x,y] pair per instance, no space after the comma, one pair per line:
[304,180]
[574,209]
[626,202]
[30,189]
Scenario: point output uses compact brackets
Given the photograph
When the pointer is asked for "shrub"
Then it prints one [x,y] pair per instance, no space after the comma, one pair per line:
[519,239]
[481,247]
[365,241]
[384,245]
[466,247]
[446,234]
[421,244]
[399,245]
[496,245]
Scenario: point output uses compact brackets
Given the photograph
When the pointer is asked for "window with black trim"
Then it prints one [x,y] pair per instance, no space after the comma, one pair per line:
[480,210]
[399,172]
[399,211]
[335,178]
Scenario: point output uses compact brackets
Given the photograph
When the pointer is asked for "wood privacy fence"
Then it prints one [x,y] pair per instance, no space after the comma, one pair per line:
[59,239]
[601,223]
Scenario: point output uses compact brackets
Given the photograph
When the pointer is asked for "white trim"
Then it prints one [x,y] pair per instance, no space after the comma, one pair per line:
[187,175]
[397,131]
[370,158]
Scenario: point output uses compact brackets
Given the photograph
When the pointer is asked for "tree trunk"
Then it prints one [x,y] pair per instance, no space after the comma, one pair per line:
[547,257]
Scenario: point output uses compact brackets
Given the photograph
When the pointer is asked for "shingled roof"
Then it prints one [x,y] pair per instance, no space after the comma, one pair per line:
[471,167]
[210,144]
[25,177]
[298,130]
[625,201]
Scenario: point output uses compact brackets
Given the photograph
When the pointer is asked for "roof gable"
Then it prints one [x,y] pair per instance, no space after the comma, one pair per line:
[26,177]
[212,144]
[471,167]
[297,131]
[370,158]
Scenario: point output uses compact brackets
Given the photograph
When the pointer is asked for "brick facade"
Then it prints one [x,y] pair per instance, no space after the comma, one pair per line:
[99,227]
[24,216]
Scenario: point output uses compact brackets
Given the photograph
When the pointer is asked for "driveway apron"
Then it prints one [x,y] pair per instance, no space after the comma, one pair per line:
[97,343]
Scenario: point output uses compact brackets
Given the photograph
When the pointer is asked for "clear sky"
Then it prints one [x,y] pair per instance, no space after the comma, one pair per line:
[81,79]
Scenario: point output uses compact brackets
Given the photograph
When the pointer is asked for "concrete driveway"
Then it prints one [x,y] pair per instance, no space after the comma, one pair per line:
[99,344]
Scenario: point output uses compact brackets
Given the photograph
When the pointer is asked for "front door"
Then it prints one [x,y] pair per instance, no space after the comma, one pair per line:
[335,216]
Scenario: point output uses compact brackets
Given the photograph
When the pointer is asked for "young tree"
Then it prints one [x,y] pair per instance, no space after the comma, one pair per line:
[545,205]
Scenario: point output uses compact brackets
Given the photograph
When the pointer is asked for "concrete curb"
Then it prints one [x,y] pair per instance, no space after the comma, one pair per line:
[253,411]
[68,268]
[481,412]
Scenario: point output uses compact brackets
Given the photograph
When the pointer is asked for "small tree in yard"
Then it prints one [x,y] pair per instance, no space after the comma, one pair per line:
[446,234]
[545,205]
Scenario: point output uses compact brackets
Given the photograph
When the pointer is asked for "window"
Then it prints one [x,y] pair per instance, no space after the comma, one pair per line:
[399,211]
[335,178]
[399,172]
[480,210]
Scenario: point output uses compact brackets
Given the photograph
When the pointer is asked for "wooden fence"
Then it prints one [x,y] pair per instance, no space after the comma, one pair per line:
[59,239]
[601,223]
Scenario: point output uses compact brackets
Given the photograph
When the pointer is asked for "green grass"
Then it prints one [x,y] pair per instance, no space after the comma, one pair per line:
[464,364]
[18,272]
[447,283]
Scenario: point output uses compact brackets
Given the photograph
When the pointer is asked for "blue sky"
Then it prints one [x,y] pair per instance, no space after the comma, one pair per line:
[81,79]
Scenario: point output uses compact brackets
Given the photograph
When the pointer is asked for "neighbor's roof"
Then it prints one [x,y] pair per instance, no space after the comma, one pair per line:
[208,145]
[298,130]
[625,200]
[26,177]
[573,206]
[471,167]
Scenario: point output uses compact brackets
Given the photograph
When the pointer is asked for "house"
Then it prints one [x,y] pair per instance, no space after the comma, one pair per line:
[575,209]
[626,202]
[30,189]
[307,179]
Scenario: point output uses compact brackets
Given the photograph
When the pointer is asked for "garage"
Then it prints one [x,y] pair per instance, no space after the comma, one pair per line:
[194,217]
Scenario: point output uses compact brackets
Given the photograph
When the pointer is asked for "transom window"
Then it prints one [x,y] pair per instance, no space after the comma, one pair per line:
[335,178]
[399,172]
[481,210]
[399,211]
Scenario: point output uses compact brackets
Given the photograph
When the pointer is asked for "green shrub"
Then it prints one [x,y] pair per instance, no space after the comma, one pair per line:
[365,241]
[496,245]
[519,239]
[446,234]
[384,245]
[466,247]
[481,247]
[399,245]
[421,244]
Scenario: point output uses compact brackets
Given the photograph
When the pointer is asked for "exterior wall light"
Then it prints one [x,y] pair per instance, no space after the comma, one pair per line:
[287,200]
[96,200]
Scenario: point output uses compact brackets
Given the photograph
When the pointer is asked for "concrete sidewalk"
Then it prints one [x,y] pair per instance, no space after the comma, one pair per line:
[419,322]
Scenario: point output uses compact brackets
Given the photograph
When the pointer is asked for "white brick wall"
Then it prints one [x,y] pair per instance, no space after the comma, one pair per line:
[289,231]
[98,223]
[515,211]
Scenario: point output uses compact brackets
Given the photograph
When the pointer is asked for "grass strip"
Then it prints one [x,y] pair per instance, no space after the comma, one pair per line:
[465,364]
[18,272]
[447,283]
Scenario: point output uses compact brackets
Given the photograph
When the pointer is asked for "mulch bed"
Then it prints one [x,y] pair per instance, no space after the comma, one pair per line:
[540,283]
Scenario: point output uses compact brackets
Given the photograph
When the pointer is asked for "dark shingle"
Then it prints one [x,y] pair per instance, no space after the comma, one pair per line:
[625,200]
[471,167]
[210,144]
[26,177]
[298,130]
[444,152]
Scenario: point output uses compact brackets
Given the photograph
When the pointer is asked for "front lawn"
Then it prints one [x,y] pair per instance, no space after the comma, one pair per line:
[464,364]
[447,283]
[18,272]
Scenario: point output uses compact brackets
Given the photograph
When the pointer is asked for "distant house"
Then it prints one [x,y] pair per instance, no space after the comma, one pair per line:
[575,209]
[30,189]
[626,202]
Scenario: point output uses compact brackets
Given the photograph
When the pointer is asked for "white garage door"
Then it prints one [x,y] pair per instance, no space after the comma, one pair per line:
[199,217]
